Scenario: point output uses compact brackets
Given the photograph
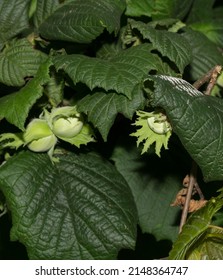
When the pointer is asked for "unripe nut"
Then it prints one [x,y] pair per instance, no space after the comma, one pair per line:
[43,144]
[37,129]
[67,127]
[38,136]
[159,127]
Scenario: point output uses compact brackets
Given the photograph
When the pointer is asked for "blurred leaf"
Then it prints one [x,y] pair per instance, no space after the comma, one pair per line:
[207,20]
[213,29]
[154,183]
[200,10]
[158,9]
[170,8]
[137,8]
[205,54]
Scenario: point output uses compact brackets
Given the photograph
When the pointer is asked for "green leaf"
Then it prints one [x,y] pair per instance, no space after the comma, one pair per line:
[170,8]
[170,24]
[79,208]
[158,9]
[82,21]
[169,44]
[196,119]
[211,246]
[102,108]
[213,29]
[107,51]
[154,183]
[137,8]
[205,54]
[83,138]
[198,14]
[207,20]
[15,107]
[54,89]
[44,8]
[195,227]
[121,73]
[18,61]
[13,18]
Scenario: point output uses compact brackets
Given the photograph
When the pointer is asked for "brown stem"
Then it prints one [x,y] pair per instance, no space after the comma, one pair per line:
[210,76]
[198,190]
[193,181]
[214,76]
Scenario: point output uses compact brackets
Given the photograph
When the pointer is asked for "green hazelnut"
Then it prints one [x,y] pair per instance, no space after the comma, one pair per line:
[37,129]
[67,127]
[38,136]
[43,144]
[157,126]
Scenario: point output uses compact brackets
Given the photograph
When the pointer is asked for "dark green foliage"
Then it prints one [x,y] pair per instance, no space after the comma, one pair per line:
[110,59]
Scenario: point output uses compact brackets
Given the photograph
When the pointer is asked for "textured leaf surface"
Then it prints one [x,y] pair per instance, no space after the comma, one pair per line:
[107,51]
[79,208]
[18,61]
[169,44]
[54,89]
[196,225]
[13,18]
[211,246]
[102,108]
[196,119]
[82,21]
[121,73]
[154,183]
[15,107]
[205,54]
[44,8]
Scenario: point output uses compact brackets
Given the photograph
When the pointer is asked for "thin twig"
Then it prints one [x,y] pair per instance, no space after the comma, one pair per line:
[193,180]
[207,77]
[198,190]
[214,76]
